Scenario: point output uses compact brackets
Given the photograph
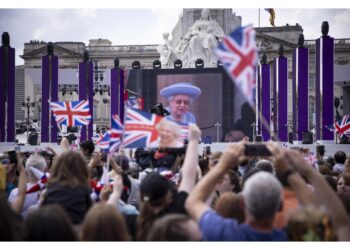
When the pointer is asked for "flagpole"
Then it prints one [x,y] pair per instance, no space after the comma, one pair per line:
[259,17]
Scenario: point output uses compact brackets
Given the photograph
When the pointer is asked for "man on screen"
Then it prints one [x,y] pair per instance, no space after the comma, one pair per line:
[180,96]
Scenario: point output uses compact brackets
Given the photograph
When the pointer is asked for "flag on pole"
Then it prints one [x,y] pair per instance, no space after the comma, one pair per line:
[342,127]
[74,113]
[97,138]
[133,100]
[272,16]
[140,128]
[105,142]
[238,54]
[117,131]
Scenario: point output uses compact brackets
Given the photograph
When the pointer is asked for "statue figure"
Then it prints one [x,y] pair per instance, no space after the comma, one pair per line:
[116,62]
[167,52]
[50,49]
[200,41]
[301,41]
[86,56]
[5,39]
[325,28]
[281,50]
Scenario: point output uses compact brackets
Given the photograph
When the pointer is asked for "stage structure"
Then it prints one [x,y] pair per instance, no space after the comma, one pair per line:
[324,84]
[280,96]
[49,92]
[7,90]
[300,90]
[86,93]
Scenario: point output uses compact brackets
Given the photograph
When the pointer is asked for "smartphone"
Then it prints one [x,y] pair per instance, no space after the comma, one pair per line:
[12,156]
[256,150]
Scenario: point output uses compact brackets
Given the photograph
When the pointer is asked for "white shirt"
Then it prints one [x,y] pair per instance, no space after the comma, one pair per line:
[31,198]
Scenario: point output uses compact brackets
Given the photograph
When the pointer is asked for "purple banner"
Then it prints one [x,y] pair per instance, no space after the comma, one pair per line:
[264,75]
[281,86]
[274,108]
[324,87]
[7,96]
[49,91]
[121,95]
[258,100]
[11,126]
[54,94]
[86,93]
[3,74]
[114,91]
[45,97]
[300,91]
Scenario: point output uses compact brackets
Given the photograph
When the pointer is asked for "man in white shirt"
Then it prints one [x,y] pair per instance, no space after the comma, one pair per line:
[39,163]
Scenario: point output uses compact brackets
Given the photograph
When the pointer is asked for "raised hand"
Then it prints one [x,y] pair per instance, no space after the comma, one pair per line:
[194,132]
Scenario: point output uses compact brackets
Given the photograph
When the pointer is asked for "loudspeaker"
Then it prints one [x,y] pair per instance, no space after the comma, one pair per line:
[258,138]
[290,137]
[33,138]
[307,138]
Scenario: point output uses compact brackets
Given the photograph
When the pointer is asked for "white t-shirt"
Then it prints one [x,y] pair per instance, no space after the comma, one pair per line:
[31,198]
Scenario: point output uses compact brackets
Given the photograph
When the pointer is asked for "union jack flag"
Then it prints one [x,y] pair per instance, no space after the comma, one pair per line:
[116,133]
[238,54]
[135,102]
[97,138]
[311,158]
[343,126]
[41,184]
[105,141]
[75,113]
[140,128]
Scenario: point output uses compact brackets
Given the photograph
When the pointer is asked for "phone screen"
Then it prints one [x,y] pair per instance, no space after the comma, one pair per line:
[12,156]
[256,150]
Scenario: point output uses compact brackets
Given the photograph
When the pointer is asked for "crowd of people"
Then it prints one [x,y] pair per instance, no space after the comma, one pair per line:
[174,195]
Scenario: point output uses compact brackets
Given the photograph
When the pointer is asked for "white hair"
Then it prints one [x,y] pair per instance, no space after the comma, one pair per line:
[174,126]
[262,194]
[35,161]
[170,98]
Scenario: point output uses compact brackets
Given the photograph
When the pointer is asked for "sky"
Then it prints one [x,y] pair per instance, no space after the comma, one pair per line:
[128,26]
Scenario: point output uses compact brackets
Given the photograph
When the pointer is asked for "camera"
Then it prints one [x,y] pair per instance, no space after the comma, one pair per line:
[256,150]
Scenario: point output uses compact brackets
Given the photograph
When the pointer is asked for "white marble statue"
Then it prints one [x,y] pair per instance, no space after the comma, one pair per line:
[167,52]
[200,41]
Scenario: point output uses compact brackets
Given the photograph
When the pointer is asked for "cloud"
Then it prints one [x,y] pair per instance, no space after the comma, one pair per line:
[165,21]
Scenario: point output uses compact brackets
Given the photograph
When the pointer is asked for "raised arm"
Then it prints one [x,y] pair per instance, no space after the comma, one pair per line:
[17,205]
[195,204]
[325,194]
[117,191]
[189,168]
[304,194]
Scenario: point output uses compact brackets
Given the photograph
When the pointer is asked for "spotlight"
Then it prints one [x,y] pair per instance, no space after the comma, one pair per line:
[178,64]
[199,63]
[157,64]
[136,65]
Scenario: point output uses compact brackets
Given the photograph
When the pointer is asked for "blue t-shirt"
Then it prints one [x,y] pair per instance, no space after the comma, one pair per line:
[216,228]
